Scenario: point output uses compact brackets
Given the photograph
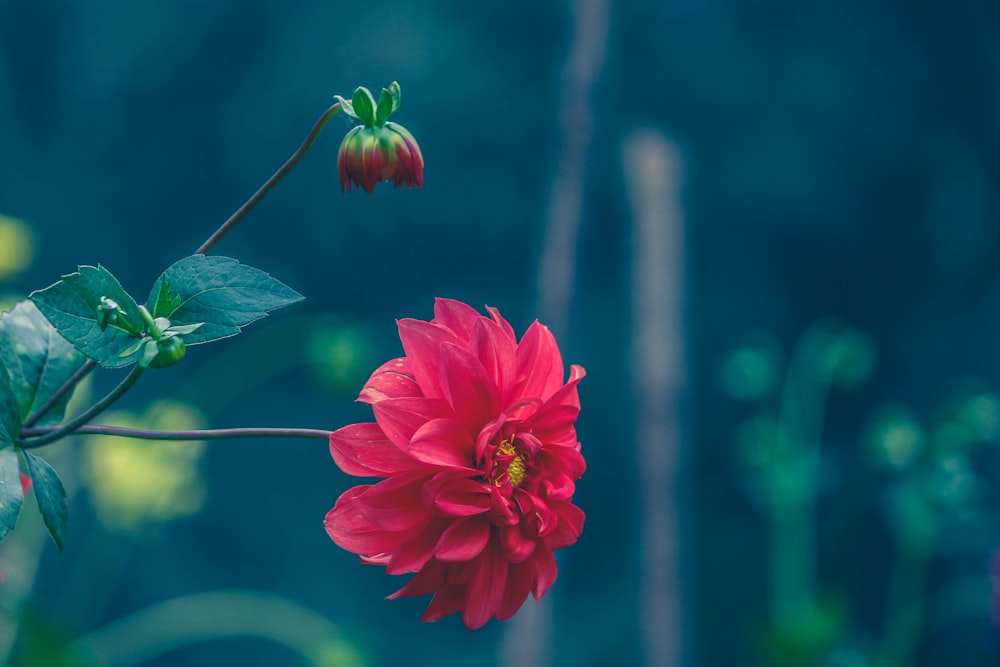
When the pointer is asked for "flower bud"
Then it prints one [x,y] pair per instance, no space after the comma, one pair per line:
[378,150]
[169,351]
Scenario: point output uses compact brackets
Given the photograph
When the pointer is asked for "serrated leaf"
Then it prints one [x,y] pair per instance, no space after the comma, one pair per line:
[71,306]
[51,496]
[38,361]
[11,491]
[165,302]
[222,295]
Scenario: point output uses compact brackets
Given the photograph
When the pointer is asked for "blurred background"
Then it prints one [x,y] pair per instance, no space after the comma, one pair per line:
[769,229]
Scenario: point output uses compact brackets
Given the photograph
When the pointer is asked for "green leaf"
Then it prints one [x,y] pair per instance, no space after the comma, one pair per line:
[51,496]
[10,411]
[165,302]
[364,106]
[222,295]
[11,491]
[38,361]
[388,102]
[71,306]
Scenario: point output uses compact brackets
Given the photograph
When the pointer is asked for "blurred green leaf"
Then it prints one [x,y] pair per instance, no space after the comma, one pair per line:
[71,306]
[895,438]
[220,294]
[751,373]
[11,491]
[38,360]
[51,496]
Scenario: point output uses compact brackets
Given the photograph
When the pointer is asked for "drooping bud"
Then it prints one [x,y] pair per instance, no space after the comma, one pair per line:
[378,150]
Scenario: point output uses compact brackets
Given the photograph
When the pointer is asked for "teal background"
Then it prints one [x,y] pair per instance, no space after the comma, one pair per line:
[839,160]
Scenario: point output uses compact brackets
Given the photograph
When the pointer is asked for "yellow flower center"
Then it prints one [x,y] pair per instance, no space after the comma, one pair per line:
[515,468]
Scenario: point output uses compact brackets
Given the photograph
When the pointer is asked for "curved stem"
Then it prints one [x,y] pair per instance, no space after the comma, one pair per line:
[182,621]
[271,182]
[199,434]
[94,410]
[81,373]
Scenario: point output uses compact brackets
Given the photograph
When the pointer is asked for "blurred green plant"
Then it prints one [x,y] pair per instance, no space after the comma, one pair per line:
[133,486]
[930,485]
[17,248]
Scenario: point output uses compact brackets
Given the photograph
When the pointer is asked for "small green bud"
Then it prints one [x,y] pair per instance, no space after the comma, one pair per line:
[169,350]
[107,312]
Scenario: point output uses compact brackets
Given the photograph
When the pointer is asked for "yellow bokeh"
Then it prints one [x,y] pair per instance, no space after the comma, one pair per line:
[16,247]
[138,483]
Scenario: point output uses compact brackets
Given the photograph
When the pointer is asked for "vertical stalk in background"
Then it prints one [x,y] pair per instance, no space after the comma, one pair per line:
[527,638]
[653,174]
[576,116]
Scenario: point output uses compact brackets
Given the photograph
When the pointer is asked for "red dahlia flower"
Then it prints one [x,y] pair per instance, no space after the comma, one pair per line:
[474,434]
[378,150]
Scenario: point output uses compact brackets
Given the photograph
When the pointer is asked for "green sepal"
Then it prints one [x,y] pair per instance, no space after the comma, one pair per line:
[71,306]
[221,296]
[50,495]
[347,107]
[388,102]
[11,491]
[38,361]
[364,106]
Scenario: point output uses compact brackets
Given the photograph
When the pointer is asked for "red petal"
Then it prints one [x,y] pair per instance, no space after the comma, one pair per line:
[453,493]
[497,352]
[429,579]
[422,343]
[519,581]
[457,316]
[569,525]
[401,418]
[539,364]
[395,504]
[446,601]
[463,540]
[545,570]
[363,450]
[415,552]
[485,590]
[352,531]
[393,379]
[516,547]
[473,395]
[443,442]
[498,318]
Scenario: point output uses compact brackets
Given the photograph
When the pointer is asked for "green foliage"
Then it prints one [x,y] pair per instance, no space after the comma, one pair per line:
[388,102]
[51,496]
[11,491]
[364,106]
[72,306]
[38,361]
[218,293]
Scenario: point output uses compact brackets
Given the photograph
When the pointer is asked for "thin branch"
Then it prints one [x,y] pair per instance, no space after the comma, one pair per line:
[70,427]
[198,434]
[271,182]
[81,373]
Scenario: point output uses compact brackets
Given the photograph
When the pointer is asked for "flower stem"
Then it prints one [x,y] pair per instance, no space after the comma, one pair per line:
[51,435]
[200,434]
[271,182]
[81,373]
